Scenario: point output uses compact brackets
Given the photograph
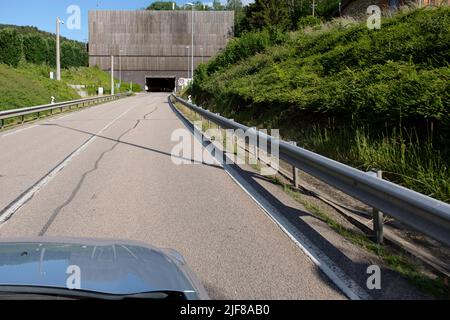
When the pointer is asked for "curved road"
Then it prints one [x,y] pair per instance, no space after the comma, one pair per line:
[107,172]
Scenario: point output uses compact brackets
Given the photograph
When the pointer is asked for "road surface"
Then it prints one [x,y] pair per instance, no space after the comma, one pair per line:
[107,172]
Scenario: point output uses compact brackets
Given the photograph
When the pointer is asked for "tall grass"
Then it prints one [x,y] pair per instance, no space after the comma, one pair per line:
[404,157]
[396,78]
[30,84]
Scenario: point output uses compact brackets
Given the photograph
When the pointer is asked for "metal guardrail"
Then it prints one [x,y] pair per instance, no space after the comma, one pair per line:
[60,105]
[422,213]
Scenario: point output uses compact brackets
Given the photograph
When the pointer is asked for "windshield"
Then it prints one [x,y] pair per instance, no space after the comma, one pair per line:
[46,293]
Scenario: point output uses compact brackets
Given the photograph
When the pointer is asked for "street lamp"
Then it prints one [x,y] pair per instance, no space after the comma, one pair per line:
[187,50]
[120,67]
[192,40]
[58,49]
[201,50]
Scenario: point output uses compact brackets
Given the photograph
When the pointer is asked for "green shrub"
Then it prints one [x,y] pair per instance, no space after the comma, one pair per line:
[35,48]
[308,21]
[72,55]
[51,52]
[241,48]
[10,47]
[396,77]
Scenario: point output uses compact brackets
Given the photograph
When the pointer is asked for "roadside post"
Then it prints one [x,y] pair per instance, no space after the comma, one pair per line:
[378,216]
[294,170]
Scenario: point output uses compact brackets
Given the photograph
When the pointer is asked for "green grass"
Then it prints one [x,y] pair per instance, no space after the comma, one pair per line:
[30,84]
[392,259]
[93,78]
[403,156]
[370,99]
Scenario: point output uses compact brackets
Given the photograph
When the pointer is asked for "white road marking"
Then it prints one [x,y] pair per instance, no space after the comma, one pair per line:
[20,130]
[346,284]
[14,207]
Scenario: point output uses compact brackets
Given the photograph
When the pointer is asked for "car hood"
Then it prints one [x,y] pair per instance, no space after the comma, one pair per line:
[106,266]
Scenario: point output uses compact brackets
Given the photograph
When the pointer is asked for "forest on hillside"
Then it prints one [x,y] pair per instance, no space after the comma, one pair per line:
[18,43]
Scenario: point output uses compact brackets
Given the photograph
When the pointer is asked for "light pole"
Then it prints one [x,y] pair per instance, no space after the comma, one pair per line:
[201,50]
[192,40]
[120,67]
[112,75]
[187,50]
[58,49]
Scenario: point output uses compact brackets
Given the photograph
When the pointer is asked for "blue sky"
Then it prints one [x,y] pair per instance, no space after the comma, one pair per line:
[43,13]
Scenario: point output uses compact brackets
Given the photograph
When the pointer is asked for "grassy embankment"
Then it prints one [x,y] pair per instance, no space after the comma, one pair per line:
[368,98]
[29,84]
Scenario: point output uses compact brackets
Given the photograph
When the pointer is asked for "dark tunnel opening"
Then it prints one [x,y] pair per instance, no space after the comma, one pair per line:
[160,84]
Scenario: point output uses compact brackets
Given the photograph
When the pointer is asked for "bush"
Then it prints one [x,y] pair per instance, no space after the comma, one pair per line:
[396,77]
[51,52]
[72,55]
[241,48]
[35,48]
[11,51]
[308,21]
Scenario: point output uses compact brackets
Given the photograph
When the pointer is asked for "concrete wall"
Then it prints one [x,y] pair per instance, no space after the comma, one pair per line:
[153,43]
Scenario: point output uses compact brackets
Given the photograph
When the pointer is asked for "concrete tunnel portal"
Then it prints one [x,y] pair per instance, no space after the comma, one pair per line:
[160,84]
[156,48]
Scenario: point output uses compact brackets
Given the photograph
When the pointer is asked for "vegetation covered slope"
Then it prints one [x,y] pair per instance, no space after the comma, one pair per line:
[369,98]
[33,45]
[29,84]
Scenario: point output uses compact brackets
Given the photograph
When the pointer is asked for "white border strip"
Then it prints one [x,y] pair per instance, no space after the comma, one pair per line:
[347,285]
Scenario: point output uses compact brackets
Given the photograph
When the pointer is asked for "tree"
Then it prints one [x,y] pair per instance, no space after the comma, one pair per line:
[163,5]
[267,14]
[234,5]
[35,48]
[51,52]
[217,5]
[238,8]
[11,51]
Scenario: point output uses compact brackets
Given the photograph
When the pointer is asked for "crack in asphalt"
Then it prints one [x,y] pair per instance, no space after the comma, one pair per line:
[146,115]
[75,191]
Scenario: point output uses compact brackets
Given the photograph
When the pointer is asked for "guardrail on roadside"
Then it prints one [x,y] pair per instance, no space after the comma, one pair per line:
[22,112]
[422,213]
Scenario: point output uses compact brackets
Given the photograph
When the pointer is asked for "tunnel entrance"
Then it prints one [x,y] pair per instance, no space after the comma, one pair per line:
[159,84]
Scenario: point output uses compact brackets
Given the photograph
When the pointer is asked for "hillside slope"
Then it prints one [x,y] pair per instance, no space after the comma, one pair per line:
[30,85]
[368,98]
[36,46]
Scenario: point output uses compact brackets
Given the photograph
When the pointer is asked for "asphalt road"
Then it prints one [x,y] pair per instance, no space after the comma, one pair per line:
[107,172]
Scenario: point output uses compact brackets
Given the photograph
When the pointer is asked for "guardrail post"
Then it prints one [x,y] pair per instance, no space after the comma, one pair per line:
[2,123]
[378,216]
[218,125]
[295,171]
[23,118]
